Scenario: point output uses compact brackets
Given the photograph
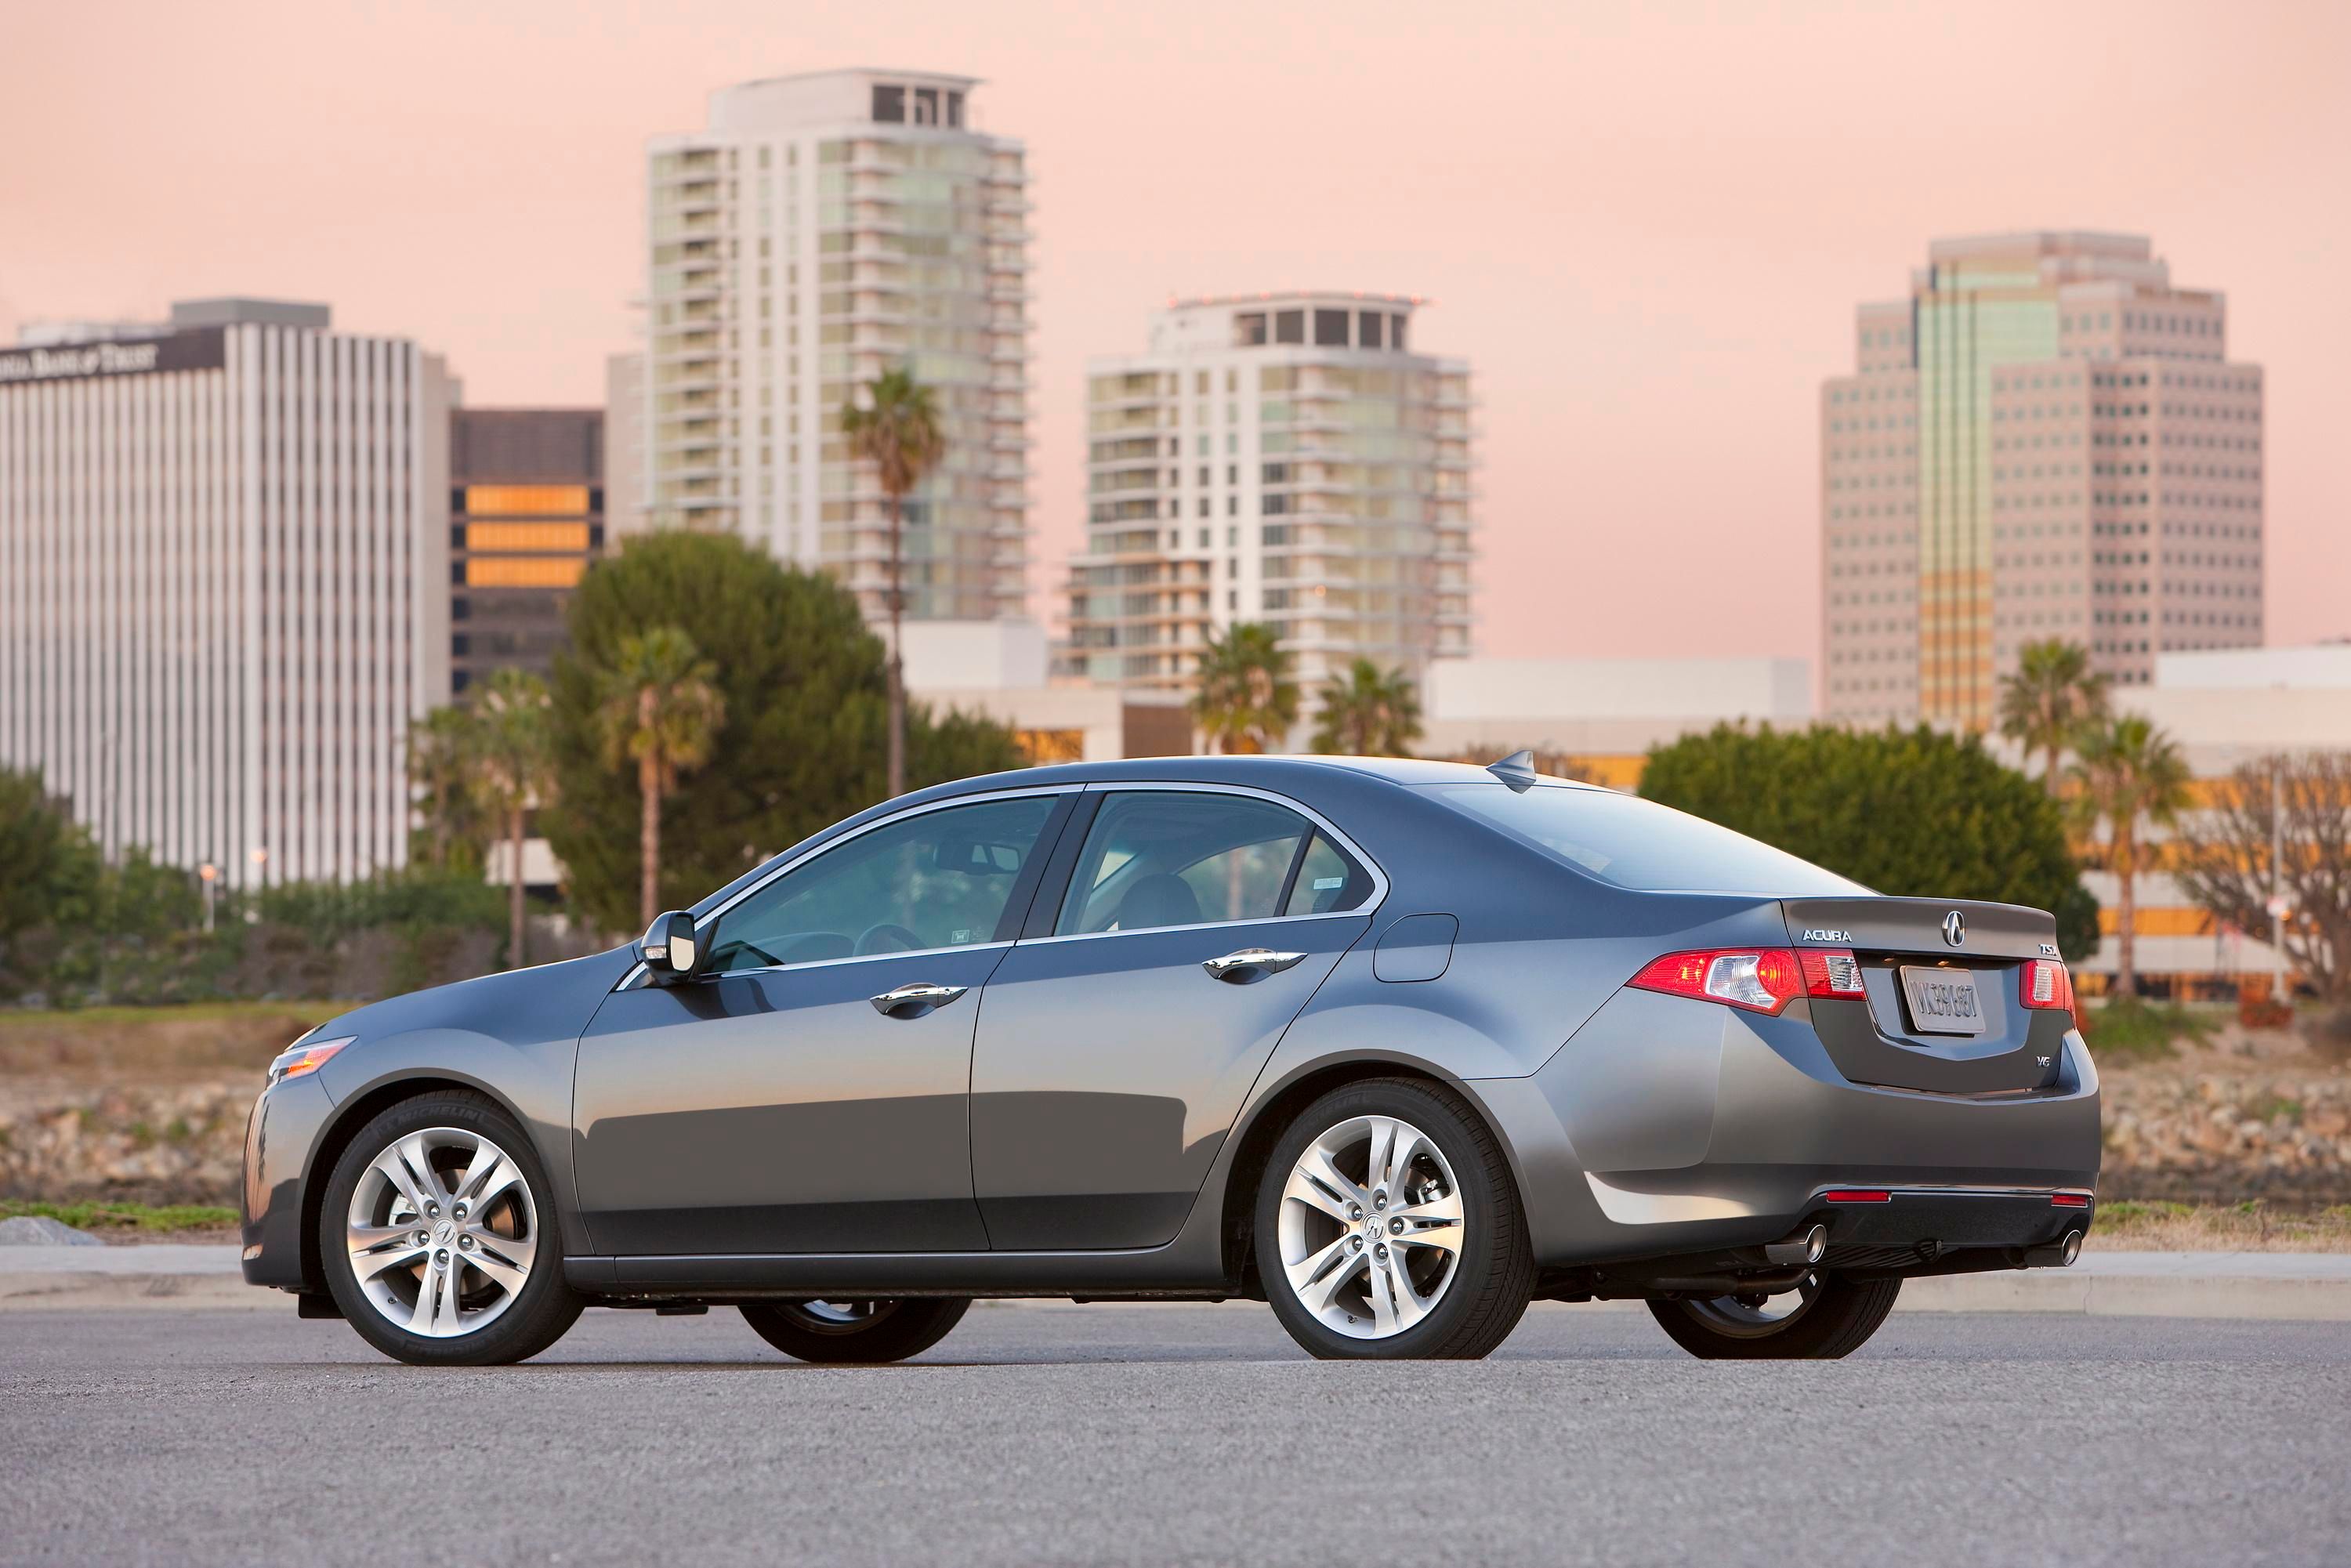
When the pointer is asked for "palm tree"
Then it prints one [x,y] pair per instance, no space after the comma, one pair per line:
[1246,700]
[2126,771]
[514,757]
[895,425]
[2050,697]
[441,751]
[1369,712]
[662,709]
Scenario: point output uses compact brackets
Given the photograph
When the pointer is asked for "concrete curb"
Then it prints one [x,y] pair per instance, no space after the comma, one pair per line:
[2284,1286]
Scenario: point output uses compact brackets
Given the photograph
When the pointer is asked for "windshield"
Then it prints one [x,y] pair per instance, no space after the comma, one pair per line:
[1639,844]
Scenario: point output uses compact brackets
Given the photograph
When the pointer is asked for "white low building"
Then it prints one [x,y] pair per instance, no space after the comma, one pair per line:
[1604,713]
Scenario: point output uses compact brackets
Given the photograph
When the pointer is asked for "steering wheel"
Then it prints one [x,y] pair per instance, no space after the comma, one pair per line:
[887,938]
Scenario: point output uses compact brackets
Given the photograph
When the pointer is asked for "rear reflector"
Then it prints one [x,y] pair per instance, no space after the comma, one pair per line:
[2069,1200]
[1857,1195]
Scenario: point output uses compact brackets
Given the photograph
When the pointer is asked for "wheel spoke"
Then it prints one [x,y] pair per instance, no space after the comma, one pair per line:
[1384,1315]
[1436,1224]
[1376,1166]
[1317,1278]
[1411,1306]
[509,1276]
[375,1248]
[1314,1165]
[1308,1188]
[444,1306]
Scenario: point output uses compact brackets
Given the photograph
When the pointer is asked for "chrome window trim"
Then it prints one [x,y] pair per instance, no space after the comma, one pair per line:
[1365,910]
[703,923]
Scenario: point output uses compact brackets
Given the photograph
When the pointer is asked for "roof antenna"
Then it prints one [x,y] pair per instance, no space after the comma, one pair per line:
[1517,771]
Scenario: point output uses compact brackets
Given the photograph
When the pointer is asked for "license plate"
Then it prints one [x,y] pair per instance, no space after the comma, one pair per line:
[1943,1001]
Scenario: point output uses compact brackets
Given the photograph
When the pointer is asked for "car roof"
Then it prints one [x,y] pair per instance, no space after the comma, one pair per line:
[1405,771]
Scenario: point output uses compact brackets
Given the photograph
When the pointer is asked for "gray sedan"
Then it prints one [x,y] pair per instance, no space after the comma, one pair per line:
[1396,1047]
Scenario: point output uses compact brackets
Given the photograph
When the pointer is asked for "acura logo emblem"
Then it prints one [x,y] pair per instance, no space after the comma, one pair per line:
[1955,928]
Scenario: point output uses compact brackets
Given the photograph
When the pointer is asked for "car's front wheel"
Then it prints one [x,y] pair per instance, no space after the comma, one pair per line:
[1388,1228]
[1824,1318]
[437,1236]
[856,1330]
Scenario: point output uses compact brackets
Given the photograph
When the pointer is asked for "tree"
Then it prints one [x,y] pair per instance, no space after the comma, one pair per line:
[1914,812]
[1369,712]
[805,687]
[41,849]
[513,753]
[2303,805]
[445,794]
[661,711]
[895,425]
[2126,771]
[2050,699]
[1246,701]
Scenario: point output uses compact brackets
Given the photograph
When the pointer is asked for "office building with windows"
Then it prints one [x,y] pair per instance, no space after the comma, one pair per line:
[526,515]
[2046,439]
[223,584]
[1287,459]
[822,230]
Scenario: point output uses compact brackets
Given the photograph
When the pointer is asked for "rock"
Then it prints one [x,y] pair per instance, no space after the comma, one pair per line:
[41,1230]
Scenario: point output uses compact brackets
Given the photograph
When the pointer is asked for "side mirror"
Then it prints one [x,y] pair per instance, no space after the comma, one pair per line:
[670,948]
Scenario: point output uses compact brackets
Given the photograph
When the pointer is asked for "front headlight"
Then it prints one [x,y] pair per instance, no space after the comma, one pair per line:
[298,1060]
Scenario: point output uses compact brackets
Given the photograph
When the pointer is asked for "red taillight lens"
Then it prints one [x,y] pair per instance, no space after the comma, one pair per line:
[1830,972]
[1761,979]
[2044,983]
[2069,1200]
[1857,1195]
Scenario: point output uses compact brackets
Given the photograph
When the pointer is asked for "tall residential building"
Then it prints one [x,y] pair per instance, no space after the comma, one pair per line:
[526,499]
[625,443]
[2046,439]
[224,586]
[826,228]
[1277,457]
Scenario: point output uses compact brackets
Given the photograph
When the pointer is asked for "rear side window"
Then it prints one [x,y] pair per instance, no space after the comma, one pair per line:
[1639,844]
[1160,858]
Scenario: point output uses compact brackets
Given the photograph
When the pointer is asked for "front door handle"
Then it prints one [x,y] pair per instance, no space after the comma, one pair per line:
[914,1000]
[1249,962]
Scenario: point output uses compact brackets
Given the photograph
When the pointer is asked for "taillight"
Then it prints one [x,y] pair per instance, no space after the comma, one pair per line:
[1761,979]
[1830,972]
[2044,983]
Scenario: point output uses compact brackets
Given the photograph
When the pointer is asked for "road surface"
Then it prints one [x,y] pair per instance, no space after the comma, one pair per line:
[1177,1435]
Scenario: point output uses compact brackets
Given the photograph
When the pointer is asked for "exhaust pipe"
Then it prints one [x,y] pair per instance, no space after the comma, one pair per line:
[2061,1255]
[1806,1246]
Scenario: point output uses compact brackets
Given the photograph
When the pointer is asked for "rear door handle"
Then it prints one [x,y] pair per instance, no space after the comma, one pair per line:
[914,1000]
[1241,966]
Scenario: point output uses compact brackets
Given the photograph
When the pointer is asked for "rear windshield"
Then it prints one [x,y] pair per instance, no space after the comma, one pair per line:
[1639,844]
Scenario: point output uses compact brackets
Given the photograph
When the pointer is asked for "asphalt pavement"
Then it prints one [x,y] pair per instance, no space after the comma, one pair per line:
[1058,1434]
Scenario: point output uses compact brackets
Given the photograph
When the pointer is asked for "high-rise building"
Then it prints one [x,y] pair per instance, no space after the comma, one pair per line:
[526,515]
[1281,457]
[625,443]
[822,230]
[223,587]
[2047,439]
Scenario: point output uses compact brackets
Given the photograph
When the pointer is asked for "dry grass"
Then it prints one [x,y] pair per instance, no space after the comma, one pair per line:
[2252,1226]
[138,1046]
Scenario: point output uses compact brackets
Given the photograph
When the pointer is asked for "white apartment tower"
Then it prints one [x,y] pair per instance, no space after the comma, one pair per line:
[823,229]
[225,583]
[1279,458]
[2046,439]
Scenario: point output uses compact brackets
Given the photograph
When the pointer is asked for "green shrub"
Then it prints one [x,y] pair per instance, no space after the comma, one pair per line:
[2133,1026]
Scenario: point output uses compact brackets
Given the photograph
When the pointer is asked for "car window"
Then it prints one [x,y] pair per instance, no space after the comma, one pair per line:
[1639,844]
[1327,880]
[939,879]
[1156,858]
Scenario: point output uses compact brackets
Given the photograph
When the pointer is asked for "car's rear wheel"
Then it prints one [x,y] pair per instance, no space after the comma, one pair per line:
[888,1328]
[437,1236]
[1824,1318]
[1388,1228]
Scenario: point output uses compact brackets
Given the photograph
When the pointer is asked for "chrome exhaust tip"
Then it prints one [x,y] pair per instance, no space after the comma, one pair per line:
[1807,1247]
[2060,1256]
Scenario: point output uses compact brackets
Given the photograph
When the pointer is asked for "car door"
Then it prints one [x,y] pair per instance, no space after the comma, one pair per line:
[807,1093]
[1117,1041]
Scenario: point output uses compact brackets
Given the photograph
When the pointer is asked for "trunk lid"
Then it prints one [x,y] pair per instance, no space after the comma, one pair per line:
[1943,1009]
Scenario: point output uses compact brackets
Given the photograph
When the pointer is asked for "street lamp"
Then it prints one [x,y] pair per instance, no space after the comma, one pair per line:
[210,875]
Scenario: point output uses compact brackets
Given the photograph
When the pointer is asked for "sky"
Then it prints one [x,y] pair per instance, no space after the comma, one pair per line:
[1645,226]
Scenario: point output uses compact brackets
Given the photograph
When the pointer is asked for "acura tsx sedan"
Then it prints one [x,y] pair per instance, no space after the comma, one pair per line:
[1394,1047]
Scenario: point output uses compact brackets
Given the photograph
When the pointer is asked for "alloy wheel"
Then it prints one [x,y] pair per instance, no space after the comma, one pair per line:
[1371,1227]
[441,1232]
[838,1317]
[1755,1315]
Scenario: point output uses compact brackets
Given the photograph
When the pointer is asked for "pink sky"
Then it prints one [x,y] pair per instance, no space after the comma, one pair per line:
[1645,227]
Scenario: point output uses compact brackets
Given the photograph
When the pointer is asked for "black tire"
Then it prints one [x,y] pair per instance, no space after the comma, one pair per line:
[1494,1275]
[1838,1320]
[535,1317]
[856,1331]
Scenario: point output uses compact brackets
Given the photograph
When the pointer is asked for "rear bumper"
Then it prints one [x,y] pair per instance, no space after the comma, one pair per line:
[1669,1126]
[279,1133]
